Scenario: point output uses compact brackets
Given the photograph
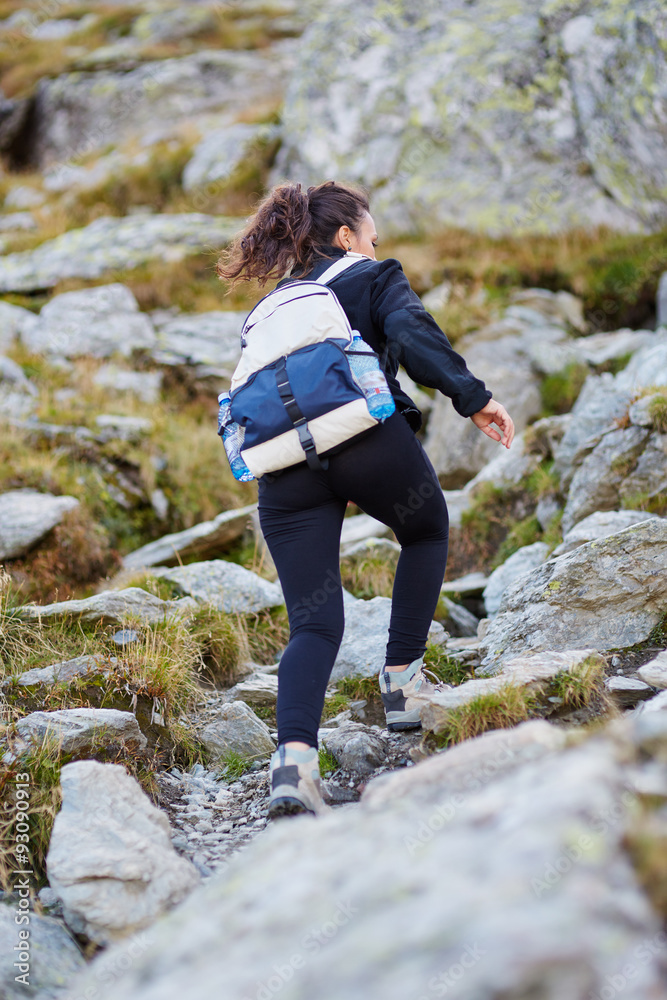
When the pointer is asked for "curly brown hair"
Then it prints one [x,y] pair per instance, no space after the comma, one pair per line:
[289,229]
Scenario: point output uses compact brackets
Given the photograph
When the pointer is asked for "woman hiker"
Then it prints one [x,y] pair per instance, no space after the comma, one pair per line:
[384,470]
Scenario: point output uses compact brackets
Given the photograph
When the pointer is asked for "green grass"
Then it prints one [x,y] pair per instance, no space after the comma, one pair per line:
[502,709]
[367,575]
[657,411]
[448,670]
[579,686]
[560,392]
[327,761]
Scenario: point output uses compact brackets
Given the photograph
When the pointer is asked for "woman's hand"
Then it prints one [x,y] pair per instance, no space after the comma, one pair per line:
[495,413]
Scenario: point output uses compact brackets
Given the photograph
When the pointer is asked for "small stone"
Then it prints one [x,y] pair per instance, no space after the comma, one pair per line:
[125,637]
[655,671]
[237,729]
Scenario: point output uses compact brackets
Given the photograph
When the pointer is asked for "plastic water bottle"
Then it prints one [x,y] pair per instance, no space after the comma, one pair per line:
[232,435]
[370,378]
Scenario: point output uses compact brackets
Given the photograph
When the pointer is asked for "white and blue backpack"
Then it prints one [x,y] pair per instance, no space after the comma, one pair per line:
[305,382]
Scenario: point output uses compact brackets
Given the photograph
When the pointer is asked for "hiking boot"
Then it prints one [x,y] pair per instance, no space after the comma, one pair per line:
[295,783]
[404,693]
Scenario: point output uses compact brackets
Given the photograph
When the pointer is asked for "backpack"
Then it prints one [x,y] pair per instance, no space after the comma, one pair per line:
[305,382]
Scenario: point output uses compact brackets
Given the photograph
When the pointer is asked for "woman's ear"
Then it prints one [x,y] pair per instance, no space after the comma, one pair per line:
[342,238]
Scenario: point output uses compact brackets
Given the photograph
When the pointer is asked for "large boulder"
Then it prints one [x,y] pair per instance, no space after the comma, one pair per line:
[226,586]
[109,244]
[498,354]
[210,342]
[97,321]
[14,322]
[522,561]
[531,673]
[506,118]
[111,607]
[110,858]
[363,648]
[78,730]
[26,516]
[222,151]
[203,540]
[606,594]
[237,730]
[518,886]
[599,525]
[50,959]
[79,112]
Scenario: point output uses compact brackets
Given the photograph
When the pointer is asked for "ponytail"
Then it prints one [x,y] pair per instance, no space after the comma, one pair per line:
[288,230]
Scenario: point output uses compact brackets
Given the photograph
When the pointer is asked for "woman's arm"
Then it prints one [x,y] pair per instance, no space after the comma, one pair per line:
[416,341]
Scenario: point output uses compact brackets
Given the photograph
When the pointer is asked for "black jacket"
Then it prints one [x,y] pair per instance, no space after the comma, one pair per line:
[381,305]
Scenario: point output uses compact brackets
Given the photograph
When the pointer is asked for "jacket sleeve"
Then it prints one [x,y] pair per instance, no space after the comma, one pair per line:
[416,341]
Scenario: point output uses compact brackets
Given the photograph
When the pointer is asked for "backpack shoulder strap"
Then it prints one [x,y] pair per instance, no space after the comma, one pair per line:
[339,266]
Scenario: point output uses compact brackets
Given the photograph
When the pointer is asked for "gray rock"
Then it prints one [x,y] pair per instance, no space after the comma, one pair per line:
[208,341]
[468,766]
[53,956]
[110,858]
[599,525]
[522,561]
[661,301]
[383,548]
[360,527]
[607,594]
[558,886]
[458,621]
[224,585]
[365,637]
[222,151]
[258,689]
[627,691]
[113,427]
[206,539]
[655,704]
[546,510]
[507,467]
[145,385]
[111,607]
[655,671]
[530,671]
[646,369]
[64,672]
[596,483]
[458,449]
[98,321]
[80,730]
[648,479]
[559,307]
[239,730]
[81,112]
[599,405]
[18,395]
[357,748]
[470,585]
[437,131]
[23,196]
[600,348]
[26,516]
[173,25]
[109,244]
[125,637]
[17,222]
[14,322]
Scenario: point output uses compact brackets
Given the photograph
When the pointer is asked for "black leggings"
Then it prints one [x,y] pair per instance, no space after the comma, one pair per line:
[388,474]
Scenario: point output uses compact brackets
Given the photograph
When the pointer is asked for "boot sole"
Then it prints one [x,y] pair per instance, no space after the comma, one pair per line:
[287,806]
